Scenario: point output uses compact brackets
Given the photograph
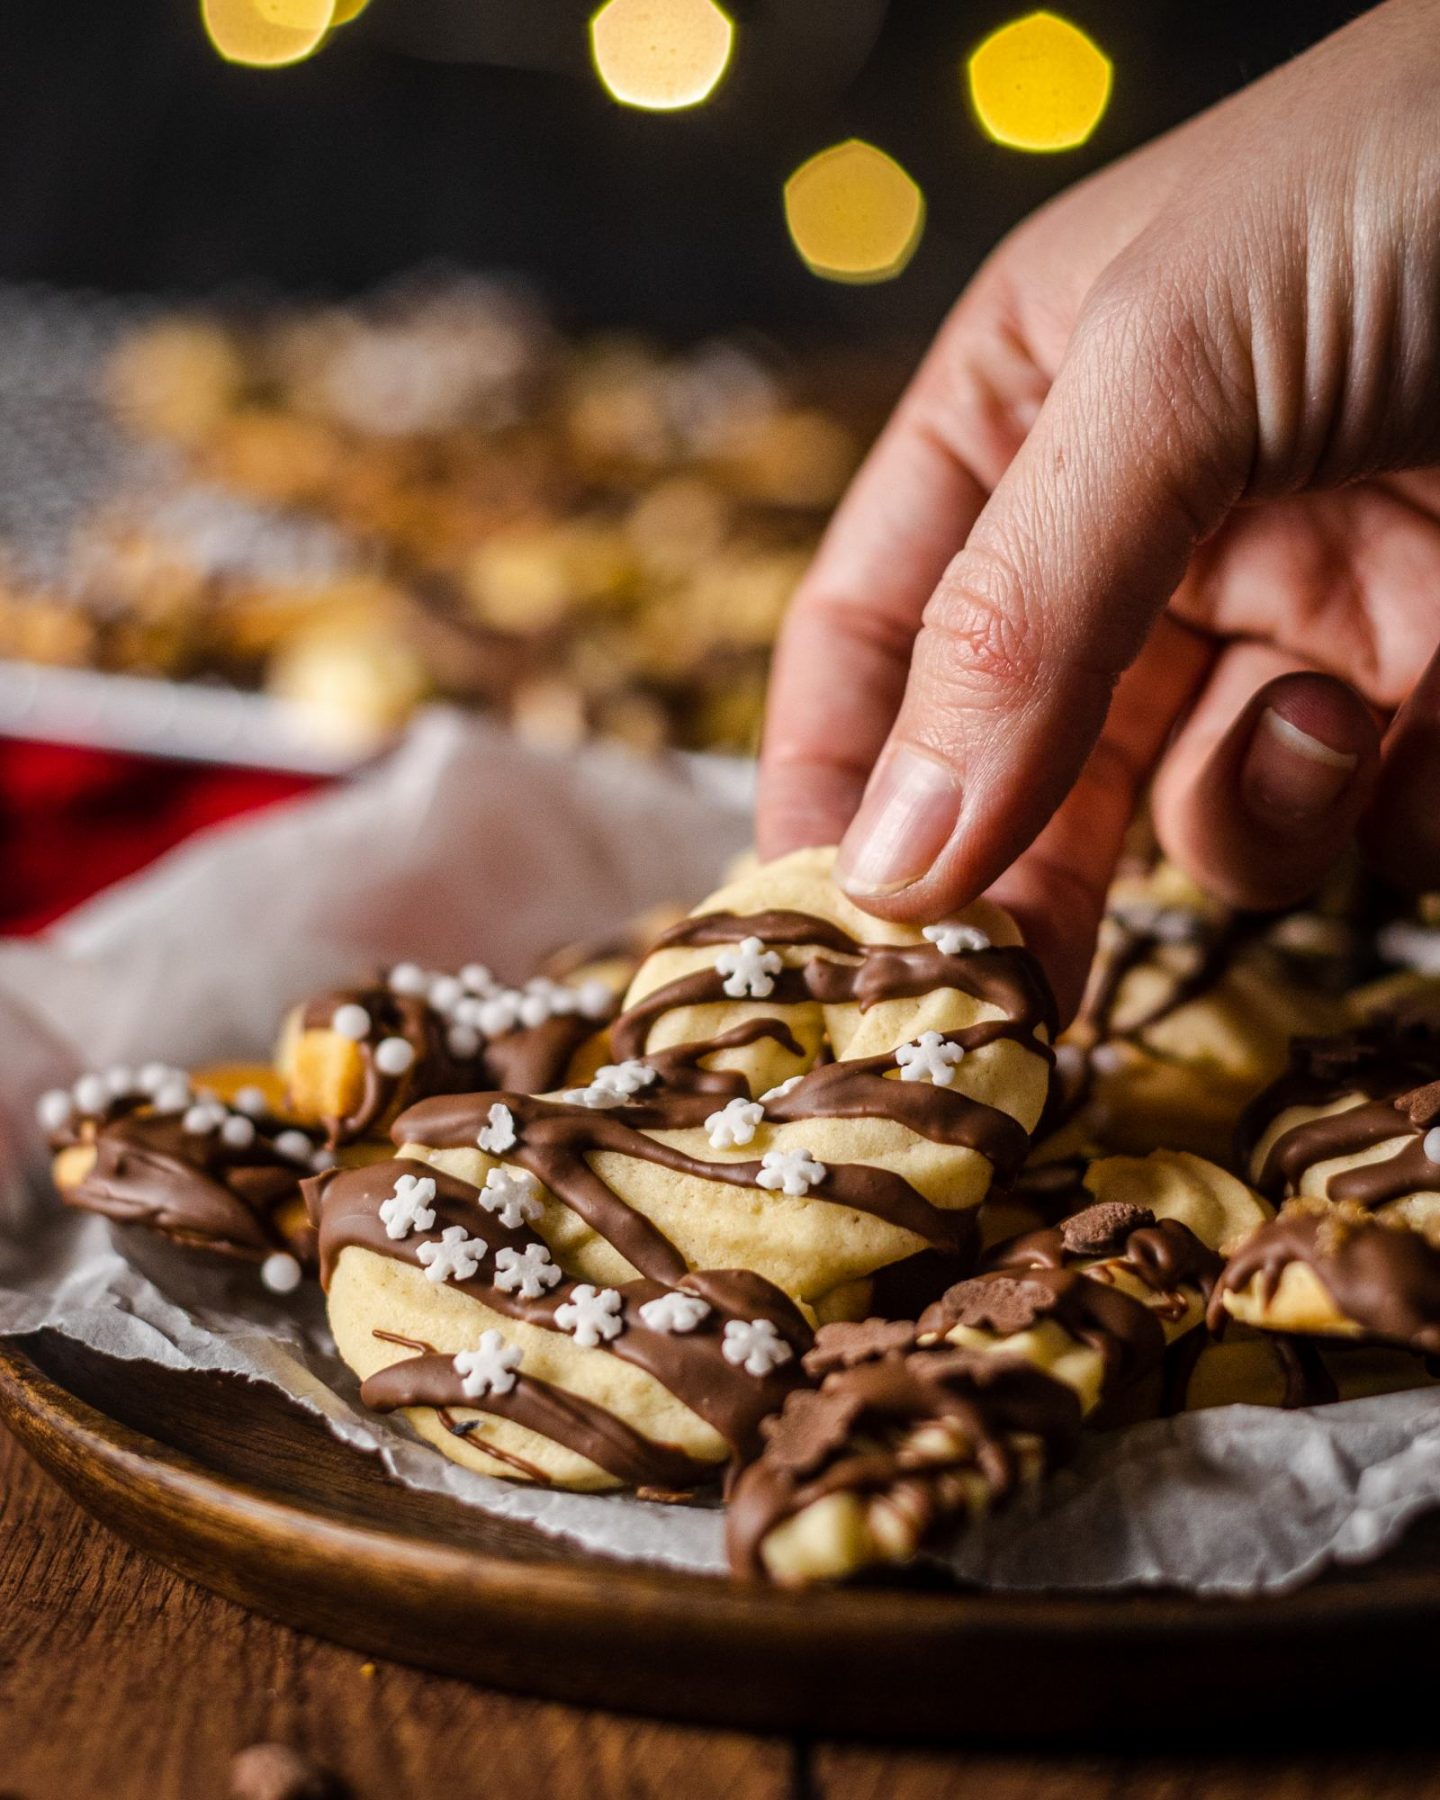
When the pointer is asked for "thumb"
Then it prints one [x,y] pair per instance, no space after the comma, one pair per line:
[1142,446]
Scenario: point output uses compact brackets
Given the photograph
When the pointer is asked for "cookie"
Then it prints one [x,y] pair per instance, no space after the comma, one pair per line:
[797,1089]
[449,1304]
[207,1160]
[1246,1367]
[910,1430]
[351,1060]
[1189,1011]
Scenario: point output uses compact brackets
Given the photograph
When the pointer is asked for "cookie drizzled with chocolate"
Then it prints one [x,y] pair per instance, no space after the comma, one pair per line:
[691,1364]
[1393,1078]
[199,1186]
[556,1138]
[1164,1254]
[1008,977]
[1382,1274]
[419,1033]
[907,1433]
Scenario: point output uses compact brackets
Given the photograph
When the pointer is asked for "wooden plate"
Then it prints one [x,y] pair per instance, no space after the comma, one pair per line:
[238,1489]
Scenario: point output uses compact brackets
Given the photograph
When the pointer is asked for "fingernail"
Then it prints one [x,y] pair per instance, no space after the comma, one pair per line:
[904,822]
[1289,777]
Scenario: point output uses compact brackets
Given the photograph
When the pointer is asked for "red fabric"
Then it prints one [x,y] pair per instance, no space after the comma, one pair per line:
[72,820]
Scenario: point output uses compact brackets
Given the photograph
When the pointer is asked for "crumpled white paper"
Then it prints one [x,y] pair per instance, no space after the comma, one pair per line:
[466,845]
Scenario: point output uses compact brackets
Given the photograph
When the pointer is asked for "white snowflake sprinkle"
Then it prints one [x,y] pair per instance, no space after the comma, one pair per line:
[203,1118]
[238,1132]
[675,1312]
[499,1014]
[155,1075]
[749,969]
[792,1171]
[92,1094]
[478,979]
[351,1021]
[596,1096]
[323,1160]
[591,1315]
[468,1011]
[957,939]
[511,1195]
[1430,1144]
[527,1272]
[121,1081]
[393,1055]
[930,1058]
[444,992]
[534,1009]
[754,1345]
[463,1042]
[628,1077]
[735,1123]
[490,1368]
[595,999]
[251,1101]
[408,1208]
[294,1146]
[174,1097]
[409,979]
[455,1257]
[785,1087]
[55,1110]
[559,998]
[281,1273]
[499,1135]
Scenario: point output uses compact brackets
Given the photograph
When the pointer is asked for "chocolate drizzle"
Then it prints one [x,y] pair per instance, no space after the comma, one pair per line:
[1007,978]
[1383,1276]
[1164,1254]
[346,1206]
[193,1186]
[1388,1074]
[590,1430]
[854,1436]
[532,1058]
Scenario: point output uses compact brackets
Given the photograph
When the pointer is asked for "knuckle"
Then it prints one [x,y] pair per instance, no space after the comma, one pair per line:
[977,622]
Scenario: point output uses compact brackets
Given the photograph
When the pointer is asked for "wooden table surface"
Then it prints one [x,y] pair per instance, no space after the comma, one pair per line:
[119,1679]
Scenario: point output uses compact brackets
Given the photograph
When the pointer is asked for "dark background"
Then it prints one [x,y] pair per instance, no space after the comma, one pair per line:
[132,158]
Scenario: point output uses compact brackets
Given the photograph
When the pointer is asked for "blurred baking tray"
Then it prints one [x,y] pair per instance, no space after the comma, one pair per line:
[185,721]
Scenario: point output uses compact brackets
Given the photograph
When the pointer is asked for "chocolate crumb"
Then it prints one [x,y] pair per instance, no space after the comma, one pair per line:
[276,1772]
[1421,1105]
[811,1425]
[1104,1229]
[843,1345]
[1003,1304]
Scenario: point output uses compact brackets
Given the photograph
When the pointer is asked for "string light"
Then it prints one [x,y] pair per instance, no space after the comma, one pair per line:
[267,34]
[1039,84]
[853,213]
[661,55]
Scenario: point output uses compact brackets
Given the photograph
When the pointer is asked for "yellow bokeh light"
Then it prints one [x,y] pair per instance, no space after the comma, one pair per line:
[1040,84]
[267,34]
[661,54]
[853,213]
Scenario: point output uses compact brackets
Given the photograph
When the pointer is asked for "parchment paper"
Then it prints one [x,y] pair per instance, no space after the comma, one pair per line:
[466,845]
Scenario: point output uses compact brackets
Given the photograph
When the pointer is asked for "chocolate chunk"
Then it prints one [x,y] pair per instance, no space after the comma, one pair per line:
[1104,1229]
[811,1425]
[1003,1304]
[1421,1105]
[276,1772]
[843,1345]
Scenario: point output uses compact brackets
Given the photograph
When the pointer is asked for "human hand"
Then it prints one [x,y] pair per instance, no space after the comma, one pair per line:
[1180,423]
